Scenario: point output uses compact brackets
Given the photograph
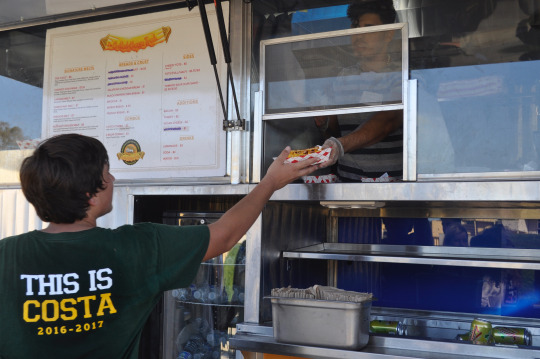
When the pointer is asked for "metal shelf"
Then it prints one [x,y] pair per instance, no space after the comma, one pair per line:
[505,258]
[221,305]
[209,264]
[257,340]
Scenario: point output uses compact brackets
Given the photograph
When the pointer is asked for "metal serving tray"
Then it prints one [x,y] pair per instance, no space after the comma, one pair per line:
[332,324]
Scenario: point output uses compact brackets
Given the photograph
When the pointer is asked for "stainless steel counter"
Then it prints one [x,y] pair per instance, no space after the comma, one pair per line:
[255,338]
[469,191]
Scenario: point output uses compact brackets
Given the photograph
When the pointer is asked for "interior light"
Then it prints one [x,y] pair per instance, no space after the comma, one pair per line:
[353,204]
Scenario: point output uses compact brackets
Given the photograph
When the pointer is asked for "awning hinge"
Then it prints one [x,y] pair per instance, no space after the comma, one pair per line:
[231,125]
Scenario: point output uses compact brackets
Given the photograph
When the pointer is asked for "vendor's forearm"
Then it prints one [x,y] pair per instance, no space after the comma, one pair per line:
[373,131]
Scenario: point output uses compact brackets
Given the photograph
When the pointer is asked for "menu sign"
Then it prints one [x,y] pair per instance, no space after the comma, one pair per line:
[145,87]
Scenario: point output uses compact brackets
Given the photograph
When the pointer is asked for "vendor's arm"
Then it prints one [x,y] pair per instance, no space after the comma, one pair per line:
[232,226]
[373,131]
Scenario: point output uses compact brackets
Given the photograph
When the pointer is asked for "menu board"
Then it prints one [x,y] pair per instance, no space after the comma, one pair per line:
[145,87]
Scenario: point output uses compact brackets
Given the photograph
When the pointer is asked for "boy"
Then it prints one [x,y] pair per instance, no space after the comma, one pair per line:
[74,290]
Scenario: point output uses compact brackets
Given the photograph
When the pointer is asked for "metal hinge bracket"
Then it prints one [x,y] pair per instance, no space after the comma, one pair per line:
[238,125]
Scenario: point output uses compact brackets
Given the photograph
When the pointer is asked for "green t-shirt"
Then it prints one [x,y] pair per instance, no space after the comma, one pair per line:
[88,294]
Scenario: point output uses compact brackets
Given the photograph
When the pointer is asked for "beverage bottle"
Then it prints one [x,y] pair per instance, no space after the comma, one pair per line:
[216,339]
[203,326]
[234,298]
[212,295]
[241,295]
[185,355]
[181,294]
[201,294]
[190,349]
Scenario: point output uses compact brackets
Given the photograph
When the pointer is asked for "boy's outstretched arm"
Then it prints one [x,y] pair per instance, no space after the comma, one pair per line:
[230,228]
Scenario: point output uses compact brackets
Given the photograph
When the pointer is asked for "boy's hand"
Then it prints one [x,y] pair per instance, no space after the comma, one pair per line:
[228,230]
[280,174]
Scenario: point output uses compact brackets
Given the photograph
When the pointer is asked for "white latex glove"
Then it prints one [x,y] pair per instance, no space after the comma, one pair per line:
[337,151]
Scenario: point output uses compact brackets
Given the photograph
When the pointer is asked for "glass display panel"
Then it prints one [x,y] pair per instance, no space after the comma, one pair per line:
[481,289]
[450,232]
[487,291]
[478,93]
[479,118]
[334,72]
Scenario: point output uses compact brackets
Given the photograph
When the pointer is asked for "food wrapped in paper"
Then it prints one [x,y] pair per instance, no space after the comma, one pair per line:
[384,178]
[302,155]
[330,178]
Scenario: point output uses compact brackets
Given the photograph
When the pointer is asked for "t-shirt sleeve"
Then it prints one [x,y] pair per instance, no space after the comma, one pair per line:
[180,252]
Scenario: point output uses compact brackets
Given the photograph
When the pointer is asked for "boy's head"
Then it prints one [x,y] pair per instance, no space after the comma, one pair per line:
[383,8]
[62,174]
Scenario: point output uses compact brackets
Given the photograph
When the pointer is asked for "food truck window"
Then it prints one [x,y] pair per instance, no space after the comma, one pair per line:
[358,75]
[477,97]
[333,72]
[21,81]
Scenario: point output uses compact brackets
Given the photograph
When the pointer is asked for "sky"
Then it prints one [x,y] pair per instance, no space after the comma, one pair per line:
[21,105]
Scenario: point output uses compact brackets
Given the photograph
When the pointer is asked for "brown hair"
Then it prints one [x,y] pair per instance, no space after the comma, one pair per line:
[62,174]
[383,8]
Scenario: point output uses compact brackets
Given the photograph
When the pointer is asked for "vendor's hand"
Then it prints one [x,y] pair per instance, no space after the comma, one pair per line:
[280,174]
[337,151]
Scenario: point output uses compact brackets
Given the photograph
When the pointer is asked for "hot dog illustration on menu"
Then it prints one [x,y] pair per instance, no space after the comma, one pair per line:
[141,42]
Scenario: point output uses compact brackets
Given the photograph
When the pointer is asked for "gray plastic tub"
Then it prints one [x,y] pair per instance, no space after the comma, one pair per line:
[322,323]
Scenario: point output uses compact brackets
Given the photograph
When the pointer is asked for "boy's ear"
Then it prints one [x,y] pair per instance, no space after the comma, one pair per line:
[91,199]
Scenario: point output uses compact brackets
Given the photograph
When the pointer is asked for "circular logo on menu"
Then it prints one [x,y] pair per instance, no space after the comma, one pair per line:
[130,152]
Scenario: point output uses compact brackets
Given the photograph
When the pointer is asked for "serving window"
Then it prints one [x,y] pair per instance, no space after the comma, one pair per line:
[309,73]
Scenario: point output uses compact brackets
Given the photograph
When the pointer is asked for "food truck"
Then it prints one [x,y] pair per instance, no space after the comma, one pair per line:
[193,102]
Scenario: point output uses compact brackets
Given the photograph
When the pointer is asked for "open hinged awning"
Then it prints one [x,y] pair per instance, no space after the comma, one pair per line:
[21,13]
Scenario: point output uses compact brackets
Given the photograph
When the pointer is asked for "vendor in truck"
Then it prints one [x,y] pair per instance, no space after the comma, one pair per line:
[368,146]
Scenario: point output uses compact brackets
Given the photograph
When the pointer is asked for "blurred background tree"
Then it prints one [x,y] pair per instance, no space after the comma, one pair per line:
[9,136]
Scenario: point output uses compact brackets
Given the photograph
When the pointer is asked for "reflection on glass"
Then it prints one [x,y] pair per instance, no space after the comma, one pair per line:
[453,232]
[21,113]
[475,62]
[333,72]
[456,235]
[408,231]
[484,118]
[21,78]
[504,292]
[20,121]
[480,290]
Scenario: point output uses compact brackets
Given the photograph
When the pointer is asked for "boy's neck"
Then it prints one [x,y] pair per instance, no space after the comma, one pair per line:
[78,226]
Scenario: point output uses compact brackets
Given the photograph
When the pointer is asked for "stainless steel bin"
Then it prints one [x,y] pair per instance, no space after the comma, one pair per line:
[332,324]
